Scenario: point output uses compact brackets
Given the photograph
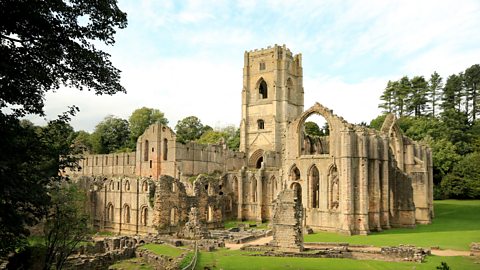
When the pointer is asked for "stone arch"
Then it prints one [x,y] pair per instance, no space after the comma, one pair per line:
[392,129]
[256,158]
[315,109]
[144,215]
[262,87]
[145,186]
[111,185]
[110,211]
[126,213]
[127,185]
[294,173]
[298,190]
[334,187]
[314,182]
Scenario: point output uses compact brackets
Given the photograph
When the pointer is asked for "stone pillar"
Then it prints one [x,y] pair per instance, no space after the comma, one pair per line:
[241,176]
[385,184]
[346,182]
[260,175]
[362,182]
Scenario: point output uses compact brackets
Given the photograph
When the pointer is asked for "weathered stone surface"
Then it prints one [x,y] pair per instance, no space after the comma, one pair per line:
[287,218]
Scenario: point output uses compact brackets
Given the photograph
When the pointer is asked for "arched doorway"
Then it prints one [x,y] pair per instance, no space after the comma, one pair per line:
[298,190]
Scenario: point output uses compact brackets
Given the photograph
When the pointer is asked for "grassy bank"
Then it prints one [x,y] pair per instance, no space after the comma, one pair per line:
[456,225]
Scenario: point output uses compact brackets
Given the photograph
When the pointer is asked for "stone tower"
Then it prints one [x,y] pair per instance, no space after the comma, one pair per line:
[272,96]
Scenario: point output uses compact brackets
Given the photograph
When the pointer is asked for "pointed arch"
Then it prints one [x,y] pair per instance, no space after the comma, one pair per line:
[314,180]
[110,211]
[144,215]
[253,161]
[262,88]
[289,87]
[126,213]
[334,187]
[294,173]
[392,129]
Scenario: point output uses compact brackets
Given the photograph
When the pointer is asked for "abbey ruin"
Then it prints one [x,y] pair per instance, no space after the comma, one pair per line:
[354,181]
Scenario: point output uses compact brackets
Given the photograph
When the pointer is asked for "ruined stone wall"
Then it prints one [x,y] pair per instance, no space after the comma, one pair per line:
[287,222]
[119,204]
[107,165]
[172,204]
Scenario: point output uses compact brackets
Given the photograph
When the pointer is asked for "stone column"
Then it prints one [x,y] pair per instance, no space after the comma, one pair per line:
[363,196]
[241,176]
[385,184]
[376,189]
[346,182]
[259,191]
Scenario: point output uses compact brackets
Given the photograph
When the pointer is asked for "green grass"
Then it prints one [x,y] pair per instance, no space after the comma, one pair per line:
[455,226]
[237,259]
[234,223]
[164,249]
[132,264]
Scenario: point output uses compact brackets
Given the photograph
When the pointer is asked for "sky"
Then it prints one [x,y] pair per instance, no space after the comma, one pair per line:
[186,57]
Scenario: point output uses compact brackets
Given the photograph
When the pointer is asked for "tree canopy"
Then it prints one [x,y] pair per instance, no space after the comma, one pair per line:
[45,45]
[141,119]
[110,135]
[190,129]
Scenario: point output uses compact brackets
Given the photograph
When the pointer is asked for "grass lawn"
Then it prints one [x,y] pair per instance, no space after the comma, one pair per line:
[234,223]
[237,259]
[455,226]
[163,249]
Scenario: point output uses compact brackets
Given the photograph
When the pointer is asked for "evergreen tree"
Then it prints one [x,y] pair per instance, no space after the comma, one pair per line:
[472,85]
[402,91]
[418,98]
[452,92]
[435,88]
[387,98]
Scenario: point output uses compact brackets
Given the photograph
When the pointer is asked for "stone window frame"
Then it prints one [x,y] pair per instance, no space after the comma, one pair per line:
[261,124]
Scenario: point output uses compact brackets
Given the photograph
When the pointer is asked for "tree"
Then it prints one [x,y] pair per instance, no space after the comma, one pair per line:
[418,98]
[141,119]
[66,223]
[472,84]
[402,91]
[110,135]
[46,44]
[83,141]
[312,129]
[387,97]
[190,129]
[451,98]
[435,87]
[31,163]
[212,137]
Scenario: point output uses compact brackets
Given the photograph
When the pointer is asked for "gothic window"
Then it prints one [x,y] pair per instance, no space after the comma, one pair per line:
[289,89]
[145,186]
[294,173]
[253,189]
[165,149]
[112,185]
[144,216]
[261,124]
[116,160]
[127,185]
[258,165]
[110,212]
[334,188]
[126,213]
[263,90]
[145,151]
[315,187]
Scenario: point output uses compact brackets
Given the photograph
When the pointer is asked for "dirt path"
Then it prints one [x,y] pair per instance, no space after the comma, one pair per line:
[258,241]
[450,252]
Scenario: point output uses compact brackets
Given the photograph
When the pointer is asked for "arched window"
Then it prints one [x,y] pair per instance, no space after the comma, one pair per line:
[294,173]
[334,188]
[165,149]
[259,163]
[262,90]
[127,185]
[173,216]
[144,216]
[112,185]
[110,212]
[253,189]
[315,186]
[126,213]
[145,151]
[116,160]
[261,124]
[145,186]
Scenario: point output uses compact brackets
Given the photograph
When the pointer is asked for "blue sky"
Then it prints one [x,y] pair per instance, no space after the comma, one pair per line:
[186,57]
